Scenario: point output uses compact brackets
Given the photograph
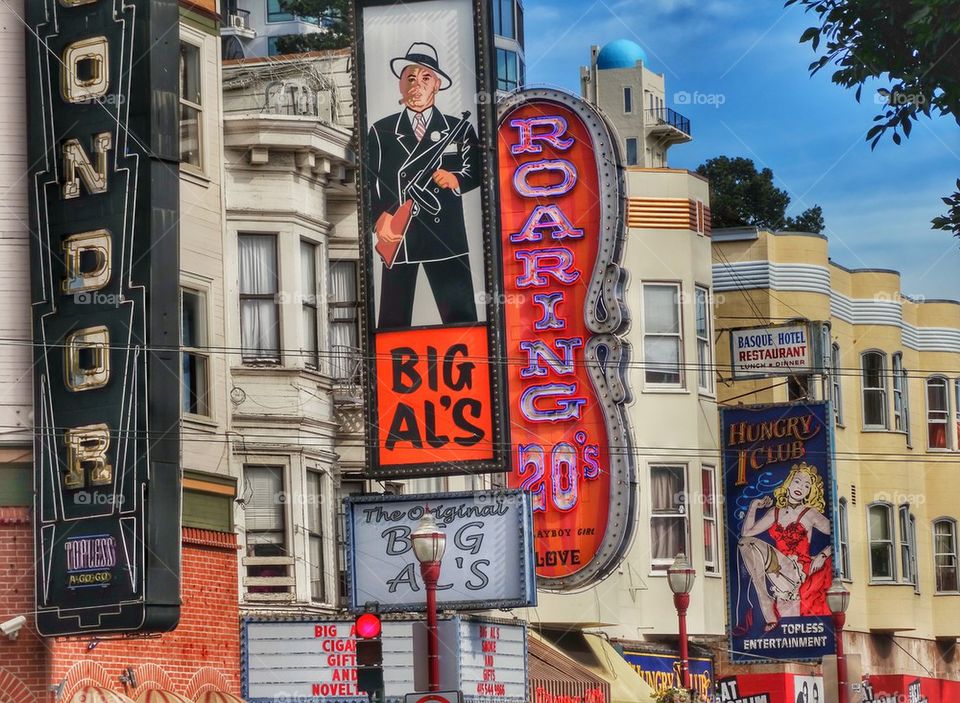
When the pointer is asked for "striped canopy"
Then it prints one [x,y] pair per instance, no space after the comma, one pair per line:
[156,695]
[218,697]
[96,694]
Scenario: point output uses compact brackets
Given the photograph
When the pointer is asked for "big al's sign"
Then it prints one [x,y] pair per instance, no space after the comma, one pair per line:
[103,149]
[429,213]
[779,490]
[561,237]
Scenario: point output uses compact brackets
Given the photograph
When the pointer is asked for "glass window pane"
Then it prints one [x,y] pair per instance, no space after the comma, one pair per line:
[276,14]
[660,309]
[702,324]
[668,537]
[316,568]
[708,497]
[627,99]
[873,410]
[190,72]
[313,502]
[264,508]
[506,18]
[880,523]
[259,328]
[937,395]
[308,272]
[258,264]
[195,384]
[632,156]
[662,359]
[193,319]
[881,560]
[667,490]
[189,135]
[873,370]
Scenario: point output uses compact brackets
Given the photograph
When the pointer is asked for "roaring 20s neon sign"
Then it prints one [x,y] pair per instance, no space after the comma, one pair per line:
[561,241]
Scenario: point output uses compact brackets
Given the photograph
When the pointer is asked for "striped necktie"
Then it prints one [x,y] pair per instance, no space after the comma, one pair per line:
[419,126]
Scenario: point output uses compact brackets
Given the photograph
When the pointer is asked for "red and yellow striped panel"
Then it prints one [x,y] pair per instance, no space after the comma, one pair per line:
[668,213]
[156,695]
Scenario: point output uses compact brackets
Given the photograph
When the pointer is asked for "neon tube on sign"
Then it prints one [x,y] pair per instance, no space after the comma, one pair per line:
[561,212]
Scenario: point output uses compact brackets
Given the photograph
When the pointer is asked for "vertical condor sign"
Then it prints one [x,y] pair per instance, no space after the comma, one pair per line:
[428,230]
[104,194]
[561,241]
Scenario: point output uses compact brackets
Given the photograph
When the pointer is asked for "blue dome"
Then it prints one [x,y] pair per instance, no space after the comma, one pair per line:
[621,53]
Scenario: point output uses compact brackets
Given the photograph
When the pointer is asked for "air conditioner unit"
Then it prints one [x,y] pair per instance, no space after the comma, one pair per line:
[238,21]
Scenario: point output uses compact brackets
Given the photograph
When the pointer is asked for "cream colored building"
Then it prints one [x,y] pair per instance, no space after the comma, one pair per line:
[894,380]
[290,256]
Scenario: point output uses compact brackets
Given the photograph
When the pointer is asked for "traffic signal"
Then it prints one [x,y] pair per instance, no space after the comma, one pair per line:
[367,629]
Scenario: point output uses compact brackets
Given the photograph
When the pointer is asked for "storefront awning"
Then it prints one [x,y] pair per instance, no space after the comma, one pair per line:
[218,697]
[96,694]
[156,695]
[596,654]
[556,677]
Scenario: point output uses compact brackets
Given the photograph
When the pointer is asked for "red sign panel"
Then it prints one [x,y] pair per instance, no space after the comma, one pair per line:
[561,227]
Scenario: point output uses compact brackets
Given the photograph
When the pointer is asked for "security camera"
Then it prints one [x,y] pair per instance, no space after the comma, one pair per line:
[11,628]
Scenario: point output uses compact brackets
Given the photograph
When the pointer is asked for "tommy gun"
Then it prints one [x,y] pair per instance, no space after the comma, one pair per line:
[416,196]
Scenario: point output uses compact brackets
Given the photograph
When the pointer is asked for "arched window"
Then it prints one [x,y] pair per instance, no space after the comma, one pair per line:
[882,565]
[938,413]
[945,554]
[873,366]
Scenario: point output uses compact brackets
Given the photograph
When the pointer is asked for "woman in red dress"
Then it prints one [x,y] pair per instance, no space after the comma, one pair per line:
[789,580]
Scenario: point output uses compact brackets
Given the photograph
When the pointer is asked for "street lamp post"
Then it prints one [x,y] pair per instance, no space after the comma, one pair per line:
[428,545]
[680,576]
[838,598]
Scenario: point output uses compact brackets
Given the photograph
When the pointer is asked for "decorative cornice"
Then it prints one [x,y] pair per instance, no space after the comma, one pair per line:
[810,278]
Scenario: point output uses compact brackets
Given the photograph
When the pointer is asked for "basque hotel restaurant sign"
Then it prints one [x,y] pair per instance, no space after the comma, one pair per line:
[562,230]
[429,220]
[779,488]
[482,528]
[104,197]
[775,350]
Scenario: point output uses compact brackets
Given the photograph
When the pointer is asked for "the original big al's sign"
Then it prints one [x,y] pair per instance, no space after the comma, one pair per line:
[561,211]
[104,177]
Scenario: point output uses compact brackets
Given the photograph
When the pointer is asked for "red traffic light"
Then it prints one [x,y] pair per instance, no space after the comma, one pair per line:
[367,626]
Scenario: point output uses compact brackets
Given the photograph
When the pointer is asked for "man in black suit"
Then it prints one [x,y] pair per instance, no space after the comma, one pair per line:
[398,149]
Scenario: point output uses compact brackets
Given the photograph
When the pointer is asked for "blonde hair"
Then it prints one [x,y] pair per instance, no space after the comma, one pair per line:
[815,498]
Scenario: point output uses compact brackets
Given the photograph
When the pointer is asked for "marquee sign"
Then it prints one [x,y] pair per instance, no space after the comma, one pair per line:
[779,490]
[561,242]
[104,197]
[488,561]
[428,221]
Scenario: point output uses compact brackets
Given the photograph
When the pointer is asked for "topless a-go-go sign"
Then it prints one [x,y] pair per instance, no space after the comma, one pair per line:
[432,313]
[561,242]
[104,155]
[779,488]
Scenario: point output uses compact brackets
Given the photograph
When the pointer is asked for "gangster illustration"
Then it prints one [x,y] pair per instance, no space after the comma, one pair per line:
[788,579]
[422,162]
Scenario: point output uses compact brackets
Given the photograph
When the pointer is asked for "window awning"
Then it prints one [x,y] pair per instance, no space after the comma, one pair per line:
[596,654]
[556,677]
[97,694]
[218,697]
[156,695]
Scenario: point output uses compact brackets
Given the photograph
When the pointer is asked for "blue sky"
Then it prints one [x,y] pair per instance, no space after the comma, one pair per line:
[877,205]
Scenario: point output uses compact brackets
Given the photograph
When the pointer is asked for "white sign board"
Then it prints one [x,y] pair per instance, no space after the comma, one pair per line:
[491,667]
[314,661]
[310,661]
[488,563]
[778,350]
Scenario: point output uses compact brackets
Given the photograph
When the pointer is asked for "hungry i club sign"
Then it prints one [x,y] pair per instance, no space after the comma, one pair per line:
[561,214]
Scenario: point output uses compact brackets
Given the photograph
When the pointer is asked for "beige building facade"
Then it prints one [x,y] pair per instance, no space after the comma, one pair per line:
[893,378]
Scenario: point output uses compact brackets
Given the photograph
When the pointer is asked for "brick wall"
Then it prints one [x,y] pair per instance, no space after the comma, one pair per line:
[202,654]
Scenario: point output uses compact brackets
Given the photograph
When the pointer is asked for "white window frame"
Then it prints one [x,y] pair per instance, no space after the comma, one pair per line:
[836,386]
[659,566]
[343,360]
[945,414]
[890,543]
[311,301]
[681,383]
[195,40]
[952,523]
[276,359]
[201,352]
[882,389]
[709,505]
[896,373]
[843,537]
[704,343]
[956,412]
[908,546]
[316,503]
[286,543]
